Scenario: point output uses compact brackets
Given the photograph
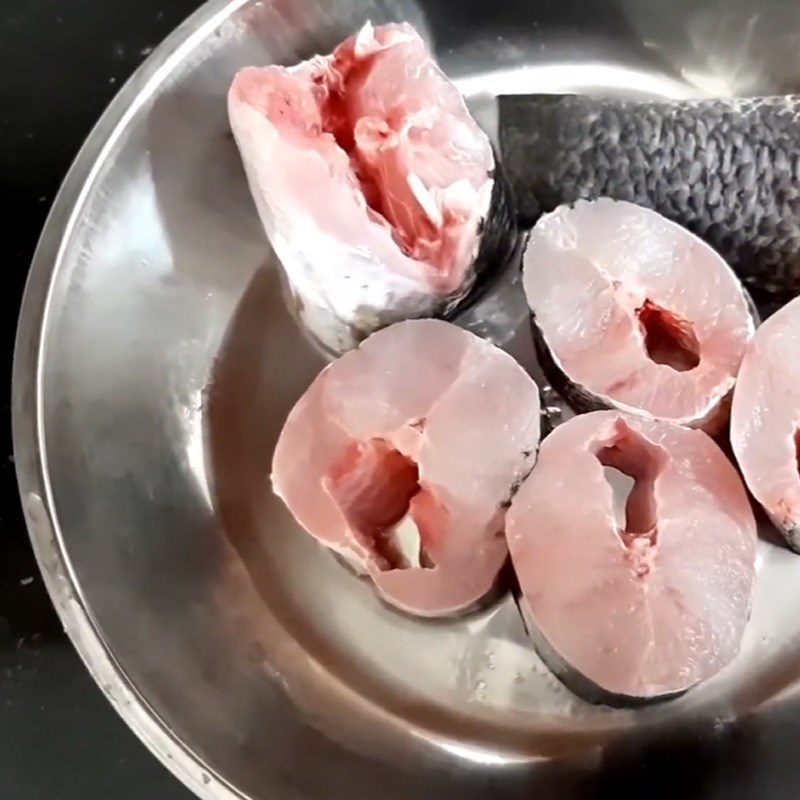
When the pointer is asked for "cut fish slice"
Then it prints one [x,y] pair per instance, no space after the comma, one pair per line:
[402,457]
[646,605]
[765,419]
[379,192]
[634,312]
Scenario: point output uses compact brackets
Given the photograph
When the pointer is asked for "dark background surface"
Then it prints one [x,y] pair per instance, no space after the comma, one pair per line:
[61,63]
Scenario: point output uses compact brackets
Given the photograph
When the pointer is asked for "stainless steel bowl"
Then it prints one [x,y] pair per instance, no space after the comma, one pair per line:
[155,365]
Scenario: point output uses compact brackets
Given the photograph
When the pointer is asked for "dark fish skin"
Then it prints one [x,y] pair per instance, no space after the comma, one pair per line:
[726,169]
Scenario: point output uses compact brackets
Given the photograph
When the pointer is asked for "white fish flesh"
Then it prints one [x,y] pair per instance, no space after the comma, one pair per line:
[402,457]
[646,603]
[379,192]
[635,313]
[765,419]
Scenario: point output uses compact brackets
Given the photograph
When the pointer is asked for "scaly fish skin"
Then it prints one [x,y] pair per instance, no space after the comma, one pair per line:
[727,169]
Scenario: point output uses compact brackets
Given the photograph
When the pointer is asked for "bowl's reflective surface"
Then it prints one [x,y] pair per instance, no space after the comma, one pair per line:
[156,364]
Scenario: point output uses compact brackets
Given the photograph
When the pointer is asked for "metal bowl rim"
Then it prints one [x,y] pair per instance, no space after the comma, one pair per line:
[29,443]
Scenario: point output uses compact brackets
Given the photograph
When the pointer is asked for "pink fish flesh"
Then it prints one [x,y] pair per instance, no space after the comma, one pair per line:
[373,182]
[765,419]
[402,457]
[636,313]
[645,605]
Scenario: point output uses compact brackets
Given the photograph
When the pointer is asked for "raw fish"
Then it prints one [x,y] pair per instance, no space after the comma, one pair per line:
[379,192]
[765,419]
[634,312]
[728,169]
[647,605]
[402,457]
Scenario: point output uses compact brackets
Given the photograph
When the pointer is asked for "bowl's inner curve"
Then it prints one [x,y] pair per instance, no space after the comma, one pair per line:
[169,365]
